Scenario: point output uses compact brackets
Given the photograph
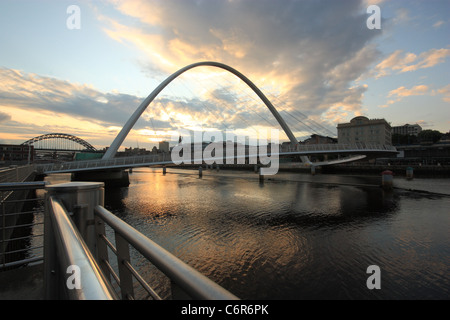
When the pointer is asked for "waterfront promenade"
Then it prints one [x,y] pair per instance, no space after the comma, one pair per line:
[23,284]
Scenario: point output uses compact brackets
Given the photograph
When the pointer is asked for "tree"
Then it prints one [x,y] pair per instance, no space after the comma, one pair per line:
[403,139]
[429,136]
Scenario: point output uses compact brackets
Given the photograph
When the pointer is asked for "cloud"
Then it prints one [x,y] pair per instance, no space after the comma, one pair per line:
[4,117]
[445,92]
[376,2]
[402,15]
[309,52]
[401,62]
[438,24]
[402,92]
[33,105]
[33,92]
[425,124]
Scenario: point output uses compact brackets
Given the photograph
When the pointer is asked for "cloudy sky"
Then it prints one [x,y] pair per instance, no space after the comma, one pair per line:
[317,61]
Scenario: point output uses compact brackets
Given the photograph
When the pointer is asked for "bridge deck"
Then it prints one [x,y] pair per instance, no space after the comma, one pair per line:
[165,159]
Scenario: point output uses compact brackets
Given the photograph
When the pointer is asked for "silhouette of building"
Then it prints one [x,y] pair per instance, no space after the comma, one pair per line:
[407,129]
[16,153]
[163,146]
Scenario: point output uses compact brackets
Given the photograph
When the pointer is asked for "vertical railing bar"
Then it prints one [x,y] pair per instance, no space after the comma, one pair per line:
[188,278]
[141,280]
[3,234]
[123,255]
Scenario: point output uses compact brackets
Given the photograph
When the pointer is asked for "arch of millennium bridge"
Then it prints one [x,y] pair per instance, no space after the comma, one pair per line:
[355,152]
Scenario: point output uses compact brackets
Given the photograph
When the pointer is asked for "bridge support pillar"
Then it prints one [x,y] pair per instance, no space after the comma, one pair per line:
[111,178]
[79,198]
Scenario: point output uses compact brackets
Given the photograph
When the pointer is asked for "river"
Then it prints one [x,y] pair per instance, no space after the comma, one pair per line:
[295,236]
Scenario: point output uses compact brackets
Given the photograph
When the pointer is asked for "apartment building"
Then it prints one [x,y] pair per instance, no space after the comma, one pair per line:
[364,130]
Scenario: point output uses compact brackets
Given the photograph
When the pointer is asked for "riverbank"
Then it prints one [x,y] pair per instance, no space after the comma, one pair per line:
[356,176]
[422,171]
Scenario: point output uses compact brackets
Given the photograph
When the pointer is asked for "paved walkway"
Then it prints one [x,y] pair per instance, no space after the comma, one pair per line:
[23,283]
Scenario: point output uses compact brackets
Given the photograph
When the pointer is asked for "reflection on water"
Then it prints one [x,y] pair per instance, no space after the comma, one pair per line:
[291,239]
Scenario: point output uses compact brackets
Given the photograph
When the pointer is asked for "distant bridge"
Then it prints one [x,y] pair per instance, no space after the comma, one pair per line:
[59,141]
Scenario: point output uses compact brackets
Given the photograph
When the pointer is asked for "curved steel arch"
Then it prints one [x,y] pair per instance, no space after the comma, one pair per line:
[130,123]
[80,141]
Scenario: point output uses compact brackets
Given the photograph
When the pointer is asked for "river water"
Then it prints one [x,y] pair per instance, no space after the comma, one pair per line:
[295,236]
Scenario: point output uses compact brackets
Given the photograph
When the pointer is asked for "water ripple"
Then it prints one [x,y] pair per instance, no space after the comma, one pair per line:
[296,240]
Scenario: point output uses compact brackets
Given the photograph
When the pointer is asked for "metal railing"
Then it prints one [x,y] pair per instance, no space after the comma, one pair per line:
[193,283]
[102,164]
[21,224]
[66,248]
[159,159]
[342,147]
[75,236]
[15,173]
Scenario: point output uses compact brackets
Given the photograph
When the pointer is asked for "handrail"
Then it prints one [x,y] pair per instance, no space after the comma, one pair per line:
[190,280]
[72,250]
[12,186]
[161,158]
[16,173]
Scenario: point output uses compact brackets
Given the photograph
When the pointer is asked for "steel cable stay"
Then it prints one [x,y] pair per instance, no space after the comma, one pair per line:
[294,127]
[237,111]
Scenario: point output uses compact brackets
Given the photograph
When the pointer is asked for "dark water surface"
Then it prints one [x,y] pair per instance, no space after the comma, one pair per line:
[296,236]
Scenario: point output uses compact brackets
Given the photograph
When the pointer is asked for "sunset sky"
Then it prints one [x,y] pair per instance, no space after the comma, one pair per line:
[310,57]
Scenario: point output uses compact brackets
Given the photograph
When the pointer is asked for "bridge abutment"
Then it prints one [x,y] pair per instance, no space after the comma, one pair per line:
[111,178]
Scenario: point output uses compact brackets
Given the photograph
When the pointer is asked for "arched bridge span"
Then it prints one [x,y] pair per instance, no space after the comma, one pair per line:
[60,136]
[130,123]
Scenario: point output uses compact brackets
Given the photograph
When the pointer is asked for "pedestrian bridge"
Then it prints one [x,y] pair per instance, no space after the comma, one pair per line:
[350,152]
[301,152]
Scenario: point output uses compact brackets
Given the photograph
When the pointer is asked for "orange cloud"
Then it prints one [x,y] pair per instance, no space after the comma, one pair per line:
[400,62]
[445,92]
[403,92]
[274,46]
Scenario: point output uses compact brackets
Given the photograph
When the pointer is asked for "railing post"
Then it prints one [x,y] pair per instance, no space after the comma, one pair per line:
[102,247]
[80,198]
[52,279]
[3,245]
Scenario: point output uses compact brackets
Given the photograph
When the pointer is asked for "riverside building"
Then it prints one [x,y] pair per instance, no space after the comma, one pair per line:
[364,130]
